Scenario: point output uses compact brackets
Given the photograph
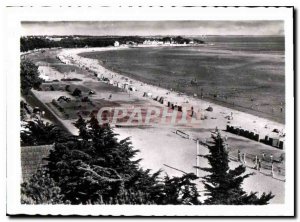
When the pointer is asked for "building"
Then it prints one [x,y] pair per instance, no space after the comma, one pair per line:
[116,44]
[54,39]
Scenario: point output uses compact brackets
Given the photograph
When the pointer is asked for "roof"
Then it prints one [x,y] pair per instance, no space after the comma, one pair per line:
[32,159]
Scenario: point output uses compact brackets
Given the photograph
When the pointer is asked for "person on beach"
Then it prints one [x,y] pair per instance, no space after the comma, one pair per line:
[259,165]
[271,157]
[255,160]
[244,158]
[239,155]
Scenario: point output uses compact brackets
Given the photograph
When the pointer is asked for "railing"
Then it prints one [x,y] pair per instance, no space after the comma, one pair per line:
[262,163]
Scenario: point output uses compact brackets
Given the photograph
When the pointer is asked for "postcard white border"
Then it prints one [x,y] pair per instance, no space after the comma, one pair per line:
[13,16]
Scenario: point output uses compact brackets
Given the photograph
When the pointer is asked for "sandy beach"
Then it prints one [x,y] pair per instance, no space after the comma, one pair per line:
[260,125]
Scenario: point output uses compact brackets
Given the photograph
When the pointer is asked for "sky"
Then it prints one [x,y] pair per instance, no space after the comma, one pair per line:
[146,28]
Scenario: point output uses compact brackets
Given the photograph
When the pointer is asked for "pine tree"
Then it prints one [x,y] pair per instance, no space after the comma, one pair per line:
[179,190]
[80,122]
[39,133]
[224,185]
[97,168]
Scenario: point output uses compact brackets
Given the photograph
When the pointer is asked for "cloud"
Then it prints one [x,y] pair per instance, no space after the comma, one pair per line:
[153,28]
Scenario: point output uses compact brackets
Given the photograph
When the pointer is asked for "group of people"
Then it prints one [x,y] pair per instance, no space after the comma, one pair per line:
[257,161]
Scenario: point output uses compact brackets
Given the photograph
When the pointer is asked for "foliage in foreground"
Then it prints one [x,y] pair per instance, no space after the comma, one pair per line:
[29,75]
[97,168]
[223,185]
[40,189]
[39,133]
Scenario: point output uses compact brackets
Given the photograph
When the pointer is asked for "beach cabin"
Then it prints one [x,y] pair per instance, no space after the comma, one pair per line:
[281,144]
[161,100]
[147,94]
[125,85]
[132,88]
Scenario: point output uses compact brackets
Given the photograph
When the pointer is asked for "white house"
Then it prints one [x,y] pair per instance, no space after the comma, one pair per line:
[116,44]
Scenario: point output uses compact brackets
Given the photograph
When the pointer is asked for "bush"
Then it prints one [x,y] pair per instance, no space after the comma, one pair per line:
[40,189]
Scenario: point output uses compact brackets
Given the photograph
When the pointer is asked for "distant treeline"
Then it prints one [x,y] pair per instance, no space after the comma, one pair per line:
[38,42]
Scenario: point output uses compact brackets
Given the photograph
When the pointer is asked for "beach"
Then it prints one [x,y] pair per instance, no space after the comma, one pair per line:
[253,123]
[160,146]
[245,77]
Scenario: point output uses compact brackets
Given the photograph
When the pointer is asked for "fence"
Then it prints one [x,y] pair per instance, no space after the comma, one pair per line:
[262,163]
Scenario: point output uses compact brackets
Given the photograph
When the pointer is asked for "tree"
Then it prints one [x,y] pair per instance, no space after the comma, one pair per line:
[224,186]
[179,190]
[38,133]
[40,189]
[97,168]
[29,76]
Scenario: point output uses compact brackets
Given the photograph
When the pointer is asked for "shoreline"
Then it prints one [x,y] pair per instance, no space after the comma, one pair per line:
[223,103]
[261,125]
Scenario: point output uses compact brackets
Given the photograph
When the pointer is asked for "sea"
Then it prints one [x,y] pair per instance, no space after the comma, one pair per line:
[246,73]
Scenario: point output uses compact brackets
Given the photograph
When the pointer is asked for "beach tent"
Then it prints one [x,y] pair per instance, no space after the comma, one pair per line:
[147,94]
[161,100]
